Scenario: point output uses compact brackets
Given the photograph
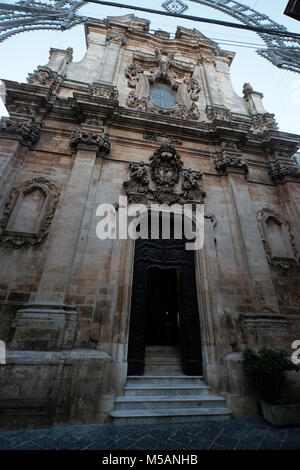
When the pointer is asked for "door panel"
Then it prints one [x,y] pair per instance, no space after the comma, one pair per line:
[166,254]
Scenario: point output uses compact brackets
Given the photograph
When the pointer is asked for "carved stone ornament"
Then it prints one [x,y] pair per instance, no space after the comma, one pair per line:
[145,71]
[146,105]
[116,37]
[100,139]
[132,73]
[282,171]
[162,138]
[157,182]
[193,88]
[264,122]
[280,244]
[28,131]
[18,238]
[218,112]
[20,109]
[44,76]
[162,34]
[206,59]
[231,160]
[103,91]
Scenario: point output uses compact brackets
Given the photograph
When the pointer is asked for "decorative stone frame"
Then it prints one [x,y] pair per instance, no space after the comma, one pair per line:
[17,239]
[206,306]
[287,237]
[145,71]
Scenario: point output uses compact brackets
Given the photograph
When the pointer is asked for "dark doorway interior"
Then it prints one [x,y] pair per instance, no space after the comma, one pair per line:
[162,316]
[164,281]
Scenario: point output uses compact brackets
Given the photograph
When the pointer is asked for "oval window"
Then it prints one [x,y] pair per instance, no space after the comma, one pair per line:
[163,96]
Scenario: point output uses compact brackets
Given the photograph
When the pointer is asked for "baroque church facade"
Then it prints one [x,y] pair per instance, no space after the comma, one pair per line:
[157,120]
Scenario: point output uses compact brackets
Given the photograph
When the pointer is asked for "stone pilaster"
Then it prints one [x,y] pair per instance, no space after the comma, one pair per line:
[265,299]
[114,42]
[47,324]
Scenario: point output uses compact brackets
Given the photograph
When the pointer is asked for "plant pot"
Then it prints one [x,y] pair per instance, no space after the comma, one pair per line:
[282,414]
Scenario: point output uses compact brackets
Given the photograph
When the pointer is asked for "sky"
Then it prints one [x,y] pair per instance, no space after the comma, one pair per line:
[21,54]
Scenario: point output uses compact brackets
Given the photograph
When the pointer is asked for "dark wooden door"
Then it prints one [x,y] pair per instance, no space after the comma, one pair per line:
[165,254]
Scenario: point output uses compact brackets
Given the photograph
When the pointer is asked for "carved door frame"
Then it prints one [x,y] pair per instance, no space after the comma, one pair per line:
[206,307]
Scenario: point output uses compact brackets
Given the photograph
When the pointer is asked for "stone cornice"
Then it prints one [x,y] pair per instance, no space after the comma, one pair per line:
[76,109]
[185,43]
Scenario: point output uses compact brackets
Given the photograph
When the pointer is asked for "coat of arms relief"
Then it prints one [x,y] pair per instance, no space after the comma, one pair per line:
[164,180]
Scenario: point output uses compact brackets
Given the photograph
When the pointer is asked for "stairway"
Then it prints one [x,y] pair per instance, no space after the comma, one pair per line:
[165,395]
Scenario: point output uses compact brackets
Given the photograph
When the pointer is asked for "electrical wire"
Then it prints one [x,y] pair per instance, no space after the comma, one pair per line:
[272,32]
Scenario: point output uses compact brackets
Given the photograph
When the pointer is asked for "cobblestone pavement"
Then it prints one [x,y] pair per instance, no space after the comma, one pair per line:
[251,433]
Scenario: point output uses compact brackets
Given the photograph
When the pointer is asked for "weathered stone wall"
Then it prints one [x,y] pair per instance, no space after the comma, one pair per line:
[65,294]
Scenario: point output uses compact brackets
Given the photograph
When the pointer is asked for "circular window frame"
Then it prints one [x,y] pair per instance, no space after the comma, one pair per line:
[167,86]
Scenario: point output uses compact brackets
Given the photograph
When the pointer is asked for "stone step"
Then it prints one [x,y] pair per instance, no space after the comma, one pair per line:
[162,380]
[167,360]
[166,402]
[171,390]
[162,371]
[171,415]
[163,350]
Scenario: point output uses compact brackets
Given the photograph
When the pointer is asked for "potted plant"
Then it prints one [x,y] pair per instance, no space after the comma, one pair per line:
[266,372]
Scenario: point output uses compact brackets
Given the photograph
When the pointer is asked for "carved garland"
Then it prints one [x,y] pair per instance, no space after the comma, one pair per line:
[51,195]
[284,262]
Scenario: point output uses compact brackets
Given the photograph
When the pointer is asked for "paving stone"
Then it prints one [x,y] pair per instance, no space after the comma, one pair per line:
[241,434]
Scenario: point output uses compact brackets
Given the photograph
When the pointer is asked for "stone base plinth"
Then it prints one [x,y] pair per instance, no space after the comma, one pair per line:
[43,328]
[39,389]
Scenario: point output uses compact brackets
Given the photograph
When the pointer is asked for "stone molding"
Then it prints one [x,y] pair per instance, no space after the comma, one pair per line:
[156,181]
[100,139]
[28,131]
[51,195]
[231,160]
[288,240]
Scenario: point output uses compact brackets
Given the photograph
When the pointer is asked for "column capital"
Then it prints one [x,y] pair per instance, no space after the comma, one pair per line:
[27,131]
[91,138]
[231,160]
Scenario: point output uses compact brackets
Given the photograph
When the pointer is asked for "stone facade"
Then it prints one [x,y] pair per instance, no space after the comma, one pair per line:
[82,134]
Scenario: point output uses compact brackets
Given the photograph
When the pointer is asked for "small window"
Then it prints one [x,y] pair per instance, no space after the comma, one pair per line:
[163,96]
